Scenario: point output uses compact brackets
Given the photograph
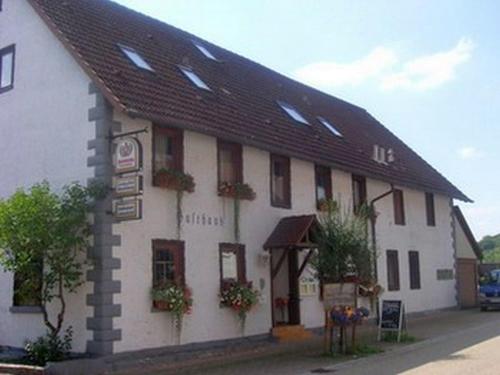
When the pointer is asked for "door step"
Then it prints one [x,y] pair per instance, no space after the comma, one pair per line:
[288,333]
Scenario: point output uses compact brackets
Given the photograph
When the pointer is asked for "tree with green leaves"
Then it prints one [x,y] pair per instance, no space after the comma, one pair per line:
[343,245]
[43,238]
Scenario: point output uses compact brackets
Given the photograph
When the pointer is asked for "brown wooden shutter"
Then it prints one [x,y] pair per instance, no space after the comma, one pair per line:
[399,208]
[392,270]
[430,210]
[414,261]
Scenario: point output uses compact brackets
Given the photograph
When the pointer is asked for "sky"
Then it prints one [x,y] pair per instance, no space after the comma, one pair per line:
[428,70]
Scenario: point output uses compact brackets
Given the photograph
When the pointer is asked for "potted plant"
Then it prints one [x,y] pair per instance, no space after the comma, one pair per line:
[172,298]
[240,297]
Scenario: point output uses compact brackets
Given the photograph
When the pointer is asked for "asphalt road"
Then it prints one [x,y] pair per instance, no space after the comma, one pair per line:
[466,342]
[470,351]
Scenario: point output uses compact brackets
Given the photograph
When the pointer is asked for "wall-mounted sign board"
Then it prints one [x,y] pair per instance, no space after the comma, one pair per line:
[127,209]
[128,155]
[339,294]
[128,185]
[392,317]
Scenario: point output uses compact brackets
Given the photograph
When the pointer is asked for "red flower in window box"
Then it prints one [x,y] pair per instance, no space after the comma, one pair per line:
[236,190]
[240,297]
[174,179]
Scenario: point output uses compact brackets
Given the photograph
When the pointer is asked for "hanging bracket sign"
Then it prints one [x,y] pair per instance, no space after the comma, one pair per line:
[127,209]
[128,155]
[128,185]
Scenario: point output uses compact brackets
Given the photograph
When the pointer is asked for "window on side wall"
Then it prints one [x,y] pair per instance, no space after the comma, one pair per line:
[399,207]
[359,192]
[230,162]
[167,149]
[280,181]
[7,59]
[168,262]
[323,184]
[392,270]
[430,210]
[232,263]
[414,263]
[28,285]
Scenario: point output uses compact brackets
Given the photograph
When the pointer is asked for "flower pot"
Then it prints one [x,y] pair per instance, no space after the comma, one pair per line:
[161,305]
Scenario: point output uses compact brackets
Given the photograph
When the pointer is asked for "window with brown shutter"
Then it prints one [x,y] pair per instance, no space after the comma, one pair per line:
[430,210]
[280,181]
[392,270]
[168,149]
[168,262]
[358,192]
[323,183]
[399,207]
[230,162]
[232,263]
[414,263]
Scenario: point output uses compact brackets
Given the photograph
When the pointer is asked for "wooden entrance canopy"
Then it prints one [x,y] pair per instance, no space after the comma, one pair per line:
[293,232]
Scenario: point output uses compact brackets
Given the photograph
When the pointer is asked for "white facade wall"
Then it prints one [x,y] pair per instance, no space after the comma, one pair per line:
[142,328]
[43,136]
[464,248]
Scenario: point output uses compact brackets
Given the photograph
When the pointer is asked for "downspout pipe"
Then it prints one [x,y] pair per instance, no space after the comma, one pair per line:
[373,219]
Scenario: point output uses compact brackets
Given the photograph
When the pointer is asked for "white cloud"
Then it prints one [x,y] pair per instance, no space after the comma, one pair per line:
[354,73]
[469,152]
[383,66]
[428,72]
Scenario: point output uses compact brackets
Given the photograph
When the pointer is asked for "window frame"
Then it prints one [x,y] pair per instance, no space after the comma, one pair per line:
[176,248]
[37,294]
[5,51]
[326,172]
[145,65]
[430,209]
[393,282]
[399,207]
[293,113]
[178,145]
[287,199]
[363,195]
[236,150]
[327,124]
[239,250]
[204,51]
[414,273]
[194,78]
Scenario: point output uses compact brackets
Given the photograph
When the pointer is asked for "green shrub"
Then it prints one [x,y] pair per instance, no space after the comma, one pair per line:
[393,337]
[49,348]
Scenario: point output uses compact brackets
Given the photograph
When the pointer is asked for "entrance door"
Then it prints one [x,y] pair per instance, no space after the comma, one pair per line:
[467,282]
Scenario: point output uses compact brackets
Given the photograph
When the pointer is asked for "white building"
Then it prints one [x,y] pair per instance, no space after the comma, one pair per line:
[77,74]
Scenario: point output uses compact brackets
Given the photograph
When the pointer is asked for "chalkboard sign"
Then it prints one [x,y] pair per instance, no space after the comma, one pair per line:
[391,317]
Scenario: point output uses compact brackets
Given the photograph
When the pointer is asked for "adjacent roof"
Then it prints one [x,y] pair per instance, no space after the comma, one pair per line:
[292,231]
[242,105]
[467,231]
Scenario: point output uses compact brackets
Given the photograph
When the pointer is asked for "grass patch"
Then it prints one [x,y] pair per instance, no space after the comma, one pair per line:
[393,337]
[360,350]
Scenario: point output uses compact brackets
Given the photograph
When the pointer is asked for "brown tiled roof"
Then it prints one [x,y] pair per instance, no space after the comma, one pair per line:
[290,232]
[242,104]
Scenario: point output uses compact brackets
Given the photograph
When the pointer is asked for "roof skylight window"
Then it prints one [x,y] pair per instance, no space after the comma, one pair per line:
[293,113]
[193,77]
[134,56]
[327,124]
[205,51]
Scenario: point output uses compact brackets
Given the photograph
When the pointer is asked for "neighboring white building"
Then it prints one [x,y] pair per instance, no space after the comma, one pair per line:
[77,74]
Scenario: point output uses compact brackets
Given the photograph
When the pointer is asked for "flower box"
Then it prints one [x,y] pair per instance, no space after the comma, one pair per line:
[174,180]
[236,190]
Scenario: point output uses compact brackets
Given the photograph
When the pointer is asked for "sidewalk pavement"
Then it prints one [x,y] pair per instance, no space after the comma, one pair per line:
[306,357]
